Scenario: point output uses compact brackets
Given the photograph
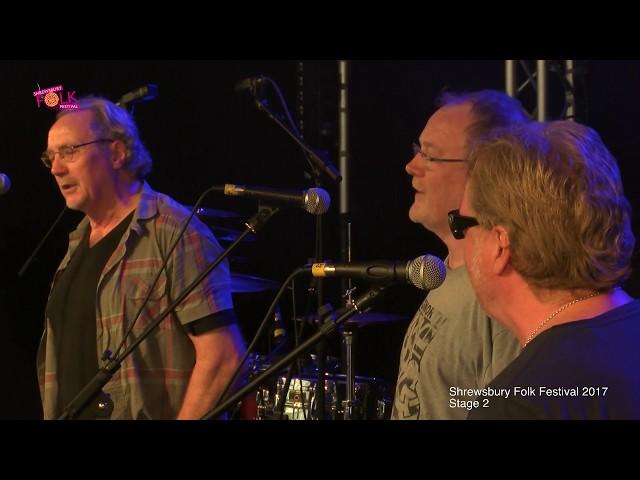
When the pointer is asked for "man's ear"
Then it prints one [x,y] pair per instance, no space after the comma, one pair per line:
[501,252]
[119,151]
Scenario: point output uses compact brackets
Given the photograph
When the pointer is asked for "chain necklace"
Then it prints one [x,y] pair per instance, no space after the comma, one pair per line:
[561,309]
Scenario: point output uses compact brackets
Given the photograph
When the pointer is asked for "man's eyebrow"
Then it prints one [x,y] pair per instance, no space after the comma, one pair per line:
[429,145]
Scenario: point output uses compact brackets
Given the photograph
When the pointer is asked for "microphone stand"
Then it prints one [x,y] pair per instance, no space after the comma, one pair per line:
[318,163]
[112,365]
[318,166]
[27,263]
[348,334]
[326,328]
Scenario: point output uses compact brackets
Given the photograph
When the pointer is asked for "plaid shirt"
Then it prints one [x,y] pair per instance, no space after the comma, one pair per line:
[152,380]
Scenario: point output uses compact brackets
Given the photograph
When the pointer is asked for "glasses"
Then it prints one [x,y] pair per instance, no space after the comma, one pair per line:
[459,224]
[415,148]
[65,152]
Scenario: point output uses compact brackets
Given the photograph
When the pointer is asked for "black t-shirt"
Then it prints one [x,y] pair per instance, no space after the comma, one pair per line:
[72,311]
[588,369]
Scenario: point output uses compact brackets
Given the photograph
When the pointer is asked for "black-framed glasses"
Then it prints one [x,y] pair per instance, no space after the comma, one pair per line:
[459,224]
[65,152]
[415,148]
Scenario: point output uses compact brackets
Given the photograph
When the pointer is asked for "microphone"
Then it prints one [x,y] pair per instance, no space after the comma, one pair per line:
[5,184]
[426,272]
[254,86]
[142,94]
[316,201]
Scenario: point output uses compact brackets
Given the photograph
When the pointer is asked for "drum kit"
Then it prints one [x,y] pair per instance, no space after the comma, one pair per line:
[372,396]
[346,396]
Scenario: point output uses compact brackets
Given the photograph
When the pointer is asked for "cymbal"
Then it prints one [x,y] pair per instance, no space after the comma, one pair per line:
[309,363]
[224,234]
[373,317]
[203,212]
[368,318]
[241,283]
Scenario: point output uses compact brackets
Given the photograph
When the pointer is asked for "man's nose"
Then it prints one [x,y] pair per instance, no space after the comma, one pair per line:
[414,168]
[57,165]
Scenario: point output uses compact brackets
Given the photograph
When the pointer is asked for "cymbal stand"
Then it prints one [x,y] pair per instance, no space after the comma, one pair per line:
[349,404]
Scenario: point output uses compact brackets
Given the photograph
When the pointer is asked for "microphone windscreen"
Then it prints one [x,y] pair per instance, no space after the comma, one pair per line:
[317,201]
[426,272]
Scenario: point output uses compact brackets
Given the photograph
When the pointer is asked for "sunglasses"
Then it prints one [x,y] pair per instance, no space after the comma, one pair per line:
[459,224]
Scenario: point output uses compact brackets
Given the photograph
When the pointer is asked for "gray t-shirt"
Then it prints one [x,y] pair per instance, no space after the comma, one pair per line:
[451,345]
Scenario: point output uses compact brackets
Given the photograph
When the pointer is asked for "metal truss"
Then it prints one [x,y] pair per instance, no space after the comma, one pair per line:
[534,91]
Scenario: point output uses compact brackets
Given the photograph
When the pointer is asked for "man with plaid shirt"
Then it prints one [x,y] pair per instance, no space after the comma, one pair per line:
[179,371]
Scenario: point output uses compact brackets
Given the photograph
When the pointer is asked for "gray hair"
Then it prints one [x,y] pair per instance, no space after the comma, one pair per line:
[114,122]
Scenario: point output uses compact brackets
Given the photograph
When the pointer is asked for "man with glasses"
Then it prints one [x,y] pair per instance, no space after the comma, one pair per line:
[548,242]
[109,271]
[451,347]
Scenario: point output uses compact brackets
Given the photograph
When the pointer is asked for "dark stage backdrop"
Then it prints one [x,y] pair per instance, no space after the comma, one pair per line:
[200,133]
